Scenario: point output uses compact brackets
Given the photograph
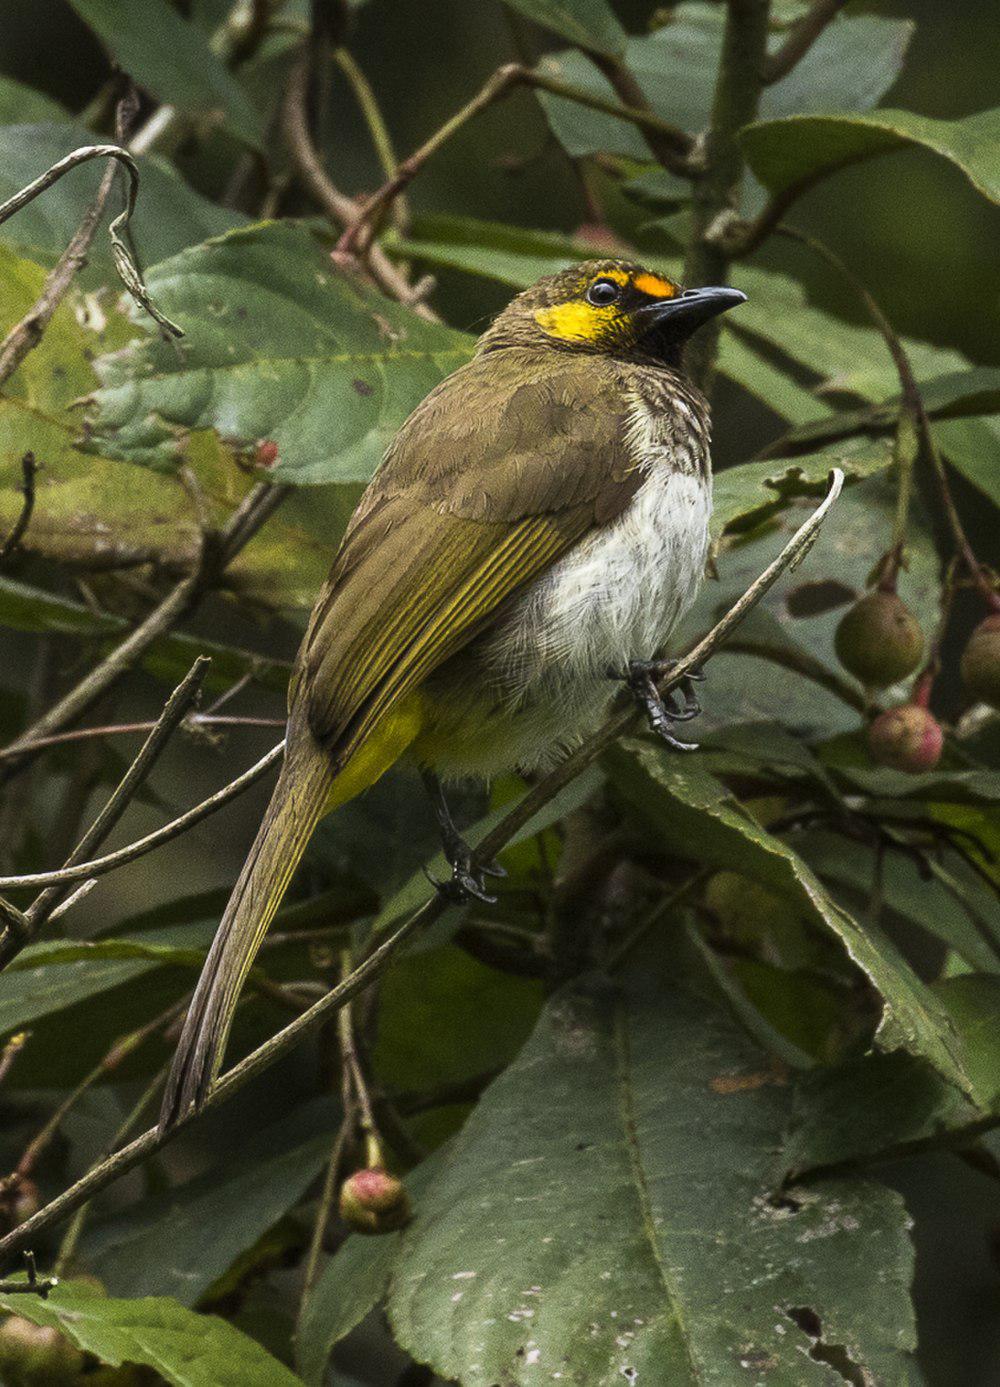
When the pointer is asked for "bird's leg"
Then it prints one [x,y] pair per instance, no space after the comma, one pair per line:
[662,712]
[467,874]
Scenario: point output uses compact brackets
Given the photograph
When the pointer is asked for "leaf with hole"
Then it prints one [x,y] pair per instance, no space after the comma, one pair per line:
[281,347]
[621,1172]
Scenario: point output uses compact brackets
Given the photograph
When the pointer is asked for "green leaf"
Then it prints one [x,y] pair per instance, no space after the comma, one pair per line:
[973,447]
[169,215]
[26,608]
[753,491]
[174,61]
[906,891]
[349,1287]
[973,1001]
[853,62]
[280,346]
[24,105]
[607,1214]
[90,513]
[54,974]
[512,255]
[208,1221]
[186,1349]
[801,149]
[590,24]
[700,820]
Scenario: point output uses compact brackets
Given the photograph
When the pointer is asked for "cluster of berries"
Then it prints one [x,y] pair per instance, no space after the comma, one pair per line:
[879,641]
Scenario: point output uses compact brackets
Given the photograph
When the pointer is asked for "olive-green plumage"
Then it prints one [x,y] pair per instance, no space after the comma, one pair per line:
[541,512]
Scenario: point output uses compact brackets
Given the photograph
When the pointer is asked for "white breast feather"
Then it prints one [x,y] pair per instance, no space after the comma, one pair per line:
[620,592]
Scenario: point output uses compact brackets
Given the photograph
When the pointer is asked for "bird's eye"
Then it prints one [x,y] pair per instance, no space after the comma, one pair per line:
[602,292]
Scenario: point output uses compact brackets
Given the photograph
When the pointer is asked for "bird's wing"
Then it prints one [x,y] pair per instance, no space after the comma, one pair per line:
[497,474]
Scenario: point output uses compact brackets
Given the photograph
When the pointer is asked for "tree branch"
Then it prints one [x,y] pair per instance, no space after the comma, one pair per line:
[381,951]
[717,188]
[357,239]
[217,552]
[28,469]
[800,39]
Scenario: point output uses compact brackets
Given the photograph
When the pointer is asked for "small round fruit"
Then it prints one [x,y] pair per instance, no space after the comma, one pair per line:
[879,640]
[35,1356]
[373,1201]
[980,664]
[907,738]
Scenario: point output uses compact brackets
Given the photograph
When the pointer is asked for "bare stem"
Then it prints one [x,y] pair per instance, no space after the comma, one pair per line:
[14,940]
[217,552]
[128,271]
[341,210]
[801,37]
[359,234]
[100,866]
[717,187]
[381,951]
[28,469]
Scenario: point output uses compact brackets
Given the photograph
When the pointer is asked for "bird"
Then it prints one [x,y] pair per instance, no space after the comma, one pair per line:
[532,535]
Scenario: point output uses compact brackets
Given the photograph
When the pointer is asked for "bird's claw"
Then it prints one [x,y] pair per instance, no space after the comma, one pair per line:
[467,881]
[662,711]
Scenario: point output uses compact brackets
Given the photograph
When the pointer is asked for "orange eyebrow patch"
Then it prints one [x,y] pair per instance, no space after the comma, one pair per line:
[656,287]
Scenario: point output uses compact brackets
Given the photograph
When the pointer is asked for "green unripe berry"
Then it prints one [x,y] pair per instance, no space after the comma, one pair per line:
[908,738]
[980,664]
[879,640]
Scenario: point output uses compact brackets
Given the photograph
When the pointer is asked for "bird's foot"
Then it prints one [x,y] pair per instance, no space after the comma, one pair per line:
[662,710]
[468,875]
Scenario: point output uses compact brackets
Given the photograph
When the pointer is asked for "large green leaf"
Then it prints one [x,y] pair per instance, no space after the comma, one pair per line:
[20,104]
[173,60]
[589,24]
[607,1215]
[280,346]
[207,1222]
[700,820]
[853,62]
[169,215]
[90,513]
[51,975]
[883,1104]
[186,1349]
[799,149]
[349,1287]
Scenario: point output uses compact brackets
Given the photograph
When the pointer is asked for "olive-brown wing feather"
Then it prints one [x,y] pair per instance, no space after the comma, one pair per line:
[501,471]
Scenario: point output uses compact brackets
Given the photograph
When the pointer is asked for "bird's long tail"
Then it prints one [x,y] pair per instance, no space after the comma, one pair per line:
[299,800]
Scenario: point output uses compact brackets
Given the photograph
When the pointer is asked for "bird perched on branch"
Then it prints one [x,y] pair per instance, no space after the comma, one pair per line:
[535,530]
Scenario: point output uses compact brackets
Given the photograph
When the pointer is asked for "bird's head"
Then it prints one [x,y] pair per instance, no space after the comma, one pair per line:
[608,306]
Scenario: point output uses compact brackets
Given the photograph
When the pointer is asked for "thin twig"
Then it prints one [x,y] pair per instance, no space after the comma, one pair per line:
[801,37]
[913,419]
[128,271]
[12,1048]
[33,1285]
[359,234]
[123,729]
[28,469]
[177,705]
[342,210]
[100,866]
[217,552]
[377,128]
[379,951]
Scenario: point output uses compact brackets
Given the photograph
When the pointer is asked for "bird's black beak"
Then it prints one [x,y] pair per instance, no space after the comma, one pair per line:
[687,311]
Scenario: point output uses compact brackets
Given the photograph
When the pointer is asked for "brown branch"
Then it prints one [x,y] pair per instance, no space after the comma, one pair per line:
[358,236]
[673,147]
[216,553]
[342,210]
[28,469]
[801,37]
[124,729]
[381,950]
[32,1286]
